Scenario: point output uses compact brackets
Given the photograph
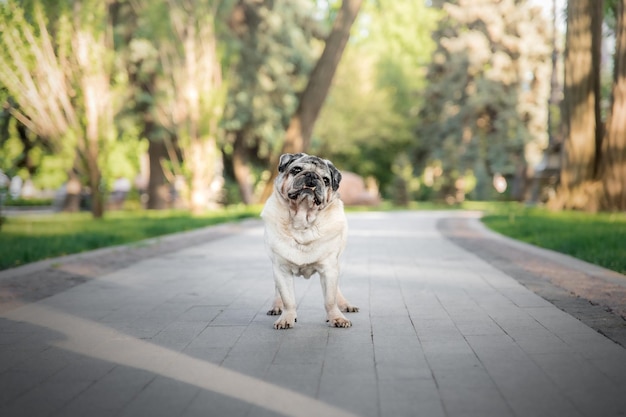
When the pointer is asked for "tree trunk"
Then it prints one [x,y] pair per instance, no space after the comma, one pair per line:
[597,20]
[158,190]
[241,168]
[613,167]
[298,135]
[71,202]
[581,106]
[95,178]
[201,160]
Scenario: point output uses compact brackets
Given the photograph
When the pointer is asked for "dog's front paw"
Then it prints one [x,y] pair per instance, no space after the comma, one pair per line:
[339,322]
[285,321]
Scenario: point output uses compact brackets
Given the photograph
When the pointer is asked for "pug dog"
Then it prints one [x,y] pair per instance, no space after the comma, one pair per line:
[305,233]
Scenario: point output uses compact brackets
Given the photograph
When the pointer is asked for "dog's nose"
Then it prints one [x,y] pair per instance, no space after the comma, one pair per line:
[310,179]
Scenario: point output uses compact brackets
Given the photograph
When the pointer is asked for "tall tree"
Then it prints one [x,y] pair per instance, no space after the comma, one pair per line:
[176,95]
[192,99]
[581,107]
[62,83]
[272,55]
[368,119]
[485,110]
[138,26]
[613,161]
[298,135]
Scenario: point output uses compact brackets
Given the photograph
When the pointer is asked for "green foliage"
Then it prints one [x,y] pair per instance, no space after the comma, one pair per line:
[595,238]
[27,202]
[273,53]
[366,122]
[173,69]
[610,14]
[358,128]
[478,108]
[32,238]
[485,104]
[123,158]
[58,74]
[44,159]
[10,151]
[30,157]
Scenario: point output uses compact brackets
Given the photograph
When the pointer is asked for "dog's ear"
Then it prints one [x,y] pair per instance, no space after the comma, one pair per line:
[335,175]
[286,160]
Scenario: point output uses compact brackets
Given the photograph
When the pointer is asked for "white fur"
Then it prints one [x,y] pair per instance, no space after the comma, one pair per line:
[301,241]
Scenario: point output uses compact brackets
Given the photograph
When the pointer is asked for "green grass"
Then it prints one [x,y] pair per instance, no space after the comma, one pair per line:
[27,202]
[596,238]
[25,239]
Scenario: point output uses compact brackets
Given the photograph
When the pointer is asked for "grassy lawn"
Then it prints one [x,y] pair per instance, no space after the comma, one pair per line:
[31,238]
[596,238]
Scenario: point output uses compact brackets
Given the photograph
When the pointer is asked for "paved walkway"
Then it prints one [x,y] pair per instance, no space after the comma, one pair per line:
[441,332]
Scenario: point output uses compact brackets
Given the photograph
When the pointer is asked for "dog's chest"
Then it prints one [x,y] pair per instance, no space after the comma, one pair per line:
[307,248]
[307,259]
[304,241]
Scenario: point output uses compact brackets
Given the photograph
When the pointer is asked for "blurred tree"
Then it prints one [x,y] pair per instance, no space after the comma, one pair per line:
[298,135]
[612,170]
[139,26]
[358,128]
[581,113]
[176,94]
[61,81]
[191,99]
[485,107]
[272,57]
[367,121]
[27,148]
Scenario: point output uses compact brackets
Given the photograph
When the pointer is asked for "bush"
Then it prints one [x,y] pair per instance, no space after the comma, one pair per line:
[27,202]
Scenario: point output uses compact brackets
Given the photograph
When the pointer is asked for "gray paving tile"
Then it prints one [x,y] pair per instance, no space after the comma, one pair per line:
[302,377]
[200,313]
[480,399]
[353,392]
[161,397]
[251,363]
[218,336]
[613,367]
[526,387]
[110,394]
[410,397]
[45,398]
[15,383]
[440,333]
[586,386]
[210,404]
[178,334]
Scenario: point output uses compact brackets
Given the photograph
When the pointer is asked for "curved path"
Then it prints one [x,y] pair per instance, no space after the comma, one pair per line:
[177,327]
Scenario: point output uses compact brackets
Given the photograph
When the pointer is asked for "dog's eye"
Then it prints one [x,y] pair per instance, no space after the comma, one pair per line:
[327,181]
[295,170]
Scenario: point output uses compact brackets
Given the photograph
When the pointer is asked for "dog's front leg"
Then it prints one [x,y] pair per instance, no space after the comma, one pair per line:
[285,289]
[329,278]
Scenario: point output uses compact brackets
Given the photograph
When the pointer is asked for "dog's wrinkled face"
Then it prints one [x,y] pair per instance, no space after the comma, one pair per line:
[307,179]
